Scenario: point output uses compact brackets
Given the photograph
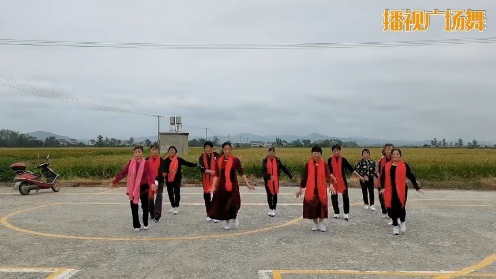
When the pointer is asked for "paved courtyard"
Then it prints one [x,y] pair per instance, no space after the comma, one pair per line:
[87,233]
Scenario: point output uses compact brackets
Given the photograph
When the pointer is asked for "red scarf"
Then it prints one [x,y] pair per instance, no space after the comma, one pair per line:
[227,171]
[400,180]
[172,169]
[337,171]
[154,163]
[273,171]
[316,168]
[135,173]
[382,163]
[208,179]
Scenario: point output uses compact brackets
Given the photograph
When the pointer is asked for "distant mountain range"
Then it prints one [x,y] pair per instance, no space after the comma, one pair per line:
[41,135]
[246,137]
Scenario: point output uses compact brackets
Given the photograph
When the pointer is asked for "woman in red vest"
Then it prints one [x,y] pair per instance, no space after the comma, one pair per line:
[395,190]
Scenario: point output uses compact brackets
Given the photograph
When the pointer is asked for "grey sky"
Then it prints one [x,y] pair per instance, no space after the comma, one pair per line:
[411,93]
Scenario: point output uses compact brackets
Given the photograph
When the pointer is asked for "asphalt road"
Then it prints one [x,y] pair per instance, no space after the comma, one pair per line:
[87,233]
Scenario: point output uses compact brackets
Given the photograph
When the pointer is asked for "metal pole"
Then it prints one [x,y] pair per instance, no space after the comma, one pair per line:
[158,130]
[206,134]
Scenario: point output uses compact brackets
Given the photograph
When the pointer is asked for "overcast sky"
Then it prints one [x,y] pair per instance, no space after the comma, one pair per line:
[404,93]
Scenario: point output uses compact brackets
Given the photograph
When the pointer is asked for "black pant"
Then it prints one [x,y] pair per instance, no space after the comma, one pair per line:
[346,202]
[396,213]
[207,197]
[144,206]
[155,206]
[368,186]
[381,200]
[271,199]
[174,191]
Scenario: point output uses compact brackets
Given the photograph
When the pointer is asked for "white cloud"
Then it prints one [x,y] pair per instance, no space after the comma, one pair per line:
[410,92]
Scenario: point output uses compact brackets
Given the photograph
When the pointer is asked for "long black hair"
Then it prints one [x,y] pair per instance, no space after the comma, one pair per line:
[223,145]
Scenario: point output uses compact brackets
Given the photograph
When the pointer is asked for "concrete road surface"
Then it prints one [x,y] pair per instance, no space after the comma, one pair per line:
[87,233]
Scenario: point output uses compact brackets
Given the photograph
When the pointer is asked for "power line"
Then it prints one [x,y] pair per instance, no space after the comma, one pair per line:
[48,43]
[50,94]
[205,128]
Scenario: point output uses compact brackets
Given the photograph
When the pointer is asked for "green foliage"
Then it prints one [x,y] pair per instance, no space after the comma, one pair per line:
[430,165]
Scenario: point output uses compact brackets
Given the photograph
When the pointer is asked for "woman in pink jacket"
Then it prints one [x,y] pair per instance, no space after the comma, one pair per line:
[139,181]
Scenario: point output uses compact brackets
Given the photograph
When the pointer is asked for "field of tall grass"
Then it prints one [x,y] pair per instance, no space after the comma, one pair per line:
[434,167]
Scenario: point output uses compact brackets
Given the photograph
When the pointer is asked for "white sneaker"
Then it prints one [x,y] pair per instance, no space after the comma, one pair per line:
[145,227]
[346,217]
[396,230]
[366,207]
[403,227]
[209,219]
[321,227]
[315,227]
[336,216]
[384,216]
[215,221]
[372,208]
[137,229]
[270,212]
[172,210]
[227,226]
[235,223]
[176,211]
[391,222]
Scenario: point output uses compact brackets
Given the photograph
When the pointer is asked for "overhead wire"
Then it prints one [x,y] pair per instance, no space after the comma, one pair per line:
[53,95]
[50,43]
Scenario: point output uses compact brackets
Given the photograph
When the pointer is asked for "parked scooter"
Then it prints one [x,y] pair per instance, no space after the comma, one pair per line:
[27,181]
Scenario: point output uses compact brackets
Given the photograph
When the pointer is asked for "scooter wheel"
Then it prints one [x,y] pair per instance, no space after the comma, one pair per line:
[24,188]
[56,187]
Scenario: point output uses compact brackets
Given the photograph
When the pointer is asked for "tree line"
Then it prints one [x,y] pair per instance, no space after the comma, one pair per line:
[459,143]
[9,138]
[277,143]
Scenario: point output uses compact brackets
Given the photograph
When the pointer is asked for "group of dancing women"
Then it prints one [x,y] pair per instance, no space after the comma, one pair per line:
[146,178]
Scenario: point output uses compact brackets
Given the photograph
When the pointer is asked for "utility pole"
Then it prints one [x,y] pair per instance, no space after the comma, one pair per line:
[206,134]
[158,129]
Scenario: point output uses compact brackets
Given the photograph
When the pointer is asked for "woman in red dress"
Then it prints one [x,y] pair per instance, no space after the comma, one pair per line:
[226,200]
[317,180]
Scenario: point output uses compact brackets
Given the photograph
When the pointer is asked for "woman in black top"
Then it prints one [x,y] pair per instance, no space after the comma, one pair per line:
[171,170]
[395,190]
[366,174]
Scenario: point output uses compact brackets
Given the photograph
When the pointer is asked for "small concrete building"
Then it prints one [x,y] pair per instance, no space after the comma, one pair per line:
[179,140]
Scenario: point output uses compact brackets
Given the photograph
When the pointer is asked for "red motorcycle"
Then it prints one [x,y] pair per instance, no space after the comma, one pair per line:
[27,181]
